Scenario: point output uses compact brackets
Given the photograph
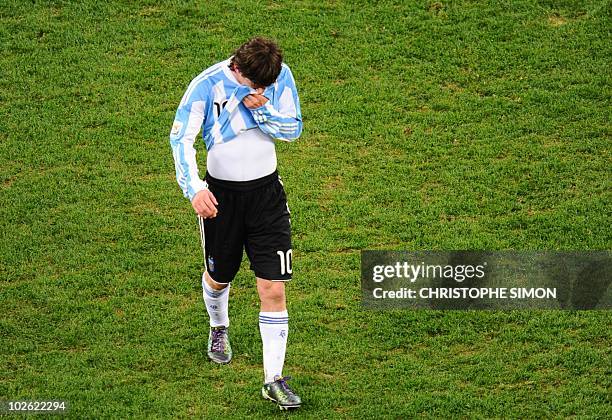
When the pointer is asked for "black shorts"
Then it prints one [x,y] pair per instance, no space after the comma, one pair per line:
[253,215]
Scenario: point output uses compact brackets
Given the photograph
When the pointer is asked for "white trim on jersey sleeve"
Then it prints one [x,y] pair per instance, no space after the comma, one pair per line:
[276,124]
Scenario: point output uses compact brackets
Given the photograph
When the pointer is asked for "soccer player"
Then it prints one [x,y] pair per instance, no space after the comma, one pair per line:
[241,105]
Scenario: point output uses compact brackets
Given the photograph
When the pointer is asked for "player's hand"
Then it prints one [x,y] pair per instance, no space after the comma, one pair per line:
[205,204]
[255,100]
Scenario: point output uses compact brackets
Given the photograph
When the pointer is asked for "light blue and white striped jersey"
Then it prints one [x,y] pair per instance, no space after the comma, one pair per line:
[213,104]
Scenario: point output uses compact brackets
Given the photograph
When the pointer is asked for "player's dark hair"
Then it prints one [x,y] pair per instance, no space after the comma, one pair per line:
[259,60]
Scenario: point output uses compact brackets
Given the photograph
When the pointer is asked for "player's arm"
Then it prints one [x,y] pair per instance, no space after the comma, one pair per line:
[283,122]
[187,125]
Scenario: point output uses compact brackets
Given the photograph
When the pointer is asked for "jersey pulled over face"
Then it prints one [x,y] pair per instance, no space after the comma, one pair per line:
[239,140]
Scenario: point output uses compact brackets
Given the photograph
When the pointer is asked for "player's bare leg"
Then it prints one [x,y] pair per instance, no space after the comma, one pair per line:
[271,295]
[274,328]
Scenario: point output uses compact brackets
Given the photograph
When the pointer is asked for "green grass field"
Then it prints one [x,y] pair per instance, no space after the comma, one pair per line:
[428,126]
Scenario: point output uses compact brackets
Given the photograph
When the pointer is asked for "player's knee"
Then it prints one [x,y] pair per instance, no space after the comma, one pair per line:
[271,291]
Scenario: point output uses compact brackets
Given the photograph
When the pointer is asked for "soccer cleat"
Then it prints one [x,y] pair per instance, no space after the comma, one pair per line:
[280,393]
[219,349]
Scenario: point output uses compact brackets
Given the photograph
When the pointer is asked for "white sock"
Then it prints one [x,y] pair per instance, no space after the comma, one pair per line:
[274,327]
[216,302]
